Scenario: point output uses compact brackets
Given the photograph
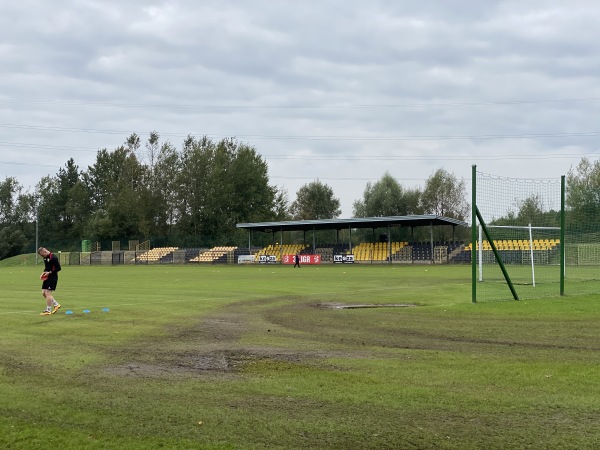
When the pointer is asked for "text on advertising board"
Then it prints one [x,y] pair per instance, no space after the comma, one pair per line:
[304,259]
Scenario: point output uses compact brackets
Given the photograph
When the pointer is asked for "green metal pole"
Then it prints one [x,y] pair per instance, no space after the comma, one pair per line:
[473,233]
[562,235]
[497,255]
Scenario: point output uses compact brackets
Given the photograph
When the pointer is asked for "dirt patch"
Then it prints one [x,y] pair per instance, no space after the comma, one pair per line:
[198,365]
[226,343]
[212,347]
[219,364]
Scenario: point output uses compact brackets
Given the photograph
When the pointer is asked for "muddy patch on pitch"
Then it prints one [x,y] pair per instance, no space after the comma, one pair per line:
[216,346]
[197,365]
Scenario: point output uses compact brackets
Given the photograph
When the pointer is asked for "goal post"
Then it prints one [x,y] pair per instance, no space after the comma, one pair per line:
[517,238]
[533,244]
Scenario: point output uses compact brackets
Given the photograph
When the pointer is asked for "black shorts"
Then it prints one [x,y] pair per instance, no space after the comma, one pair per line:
[50,283]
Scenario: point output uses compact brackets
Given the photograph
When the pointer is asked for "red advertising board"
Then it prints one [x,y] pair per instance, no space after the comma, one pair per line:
[304,259]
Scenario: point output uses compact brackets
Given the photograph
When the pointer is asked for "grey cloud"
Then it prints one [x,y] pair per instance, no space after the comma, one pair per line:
[369,73]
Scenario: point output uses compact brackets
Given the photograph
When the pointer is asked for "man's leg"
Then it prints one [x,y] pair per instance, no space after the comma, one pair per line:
[51,304]
[48,298]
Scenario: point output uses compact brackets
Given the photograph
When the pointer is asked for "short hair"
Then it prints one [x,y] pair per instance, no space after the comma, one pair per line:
[40,249]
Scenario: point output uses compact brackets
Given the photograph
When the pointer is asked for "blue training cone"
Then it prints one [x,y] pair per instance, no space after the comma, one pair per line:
[105,309]
[69,312]
[86,311]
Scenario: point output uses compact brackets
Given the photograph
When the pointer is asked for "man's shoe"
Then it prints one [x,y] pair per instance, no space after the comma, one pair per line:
[46,313]
[56,308]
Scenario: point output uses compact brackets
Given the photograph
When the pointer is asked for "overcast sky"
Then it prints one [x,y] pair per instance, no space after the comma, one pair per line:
[336,90]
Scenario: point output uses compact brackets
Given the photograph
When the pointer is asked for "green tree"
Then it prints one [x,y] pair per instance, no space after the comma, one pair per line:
[117,192]
[387,197]
[152,152]
[583,192]
[10,188]
[101,178]
[412,200]
[64,204]
[445,195]
[166,189]
[12,241]
[281,205]
[133,143]
[47,212]
[204,190]
[531,210]
[254,198]
[78,208]
[16,206]
[67,178]
[315,200]
[218,219]
[193,187]
[15,214]
[221,184]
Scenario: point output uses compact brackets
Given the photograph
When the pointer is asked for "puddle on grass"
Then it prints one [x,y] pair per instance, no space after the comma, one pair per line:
[365,305]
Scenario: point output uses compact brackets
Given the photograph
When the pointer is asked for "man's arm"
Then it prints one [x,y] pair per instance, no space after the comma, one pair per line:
[55,264]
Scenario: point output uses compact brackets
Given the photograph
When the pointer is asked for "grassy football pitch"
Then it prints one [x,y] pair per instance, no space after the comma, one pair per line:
[246,357]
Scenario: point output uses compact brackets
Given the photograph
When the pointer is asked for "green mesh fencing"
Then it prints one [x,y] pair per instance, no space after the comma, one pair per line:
[517,238]
[533,238]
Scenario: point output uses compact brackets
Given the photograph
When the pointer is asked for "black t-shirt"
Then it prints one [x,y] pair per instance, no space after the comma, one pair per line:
[52,265]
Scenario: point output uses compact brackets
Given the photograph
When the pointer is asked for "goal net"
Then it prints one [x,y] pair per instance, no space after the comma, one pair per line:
[582,237]
[534,238]
[529,253]
[516,238]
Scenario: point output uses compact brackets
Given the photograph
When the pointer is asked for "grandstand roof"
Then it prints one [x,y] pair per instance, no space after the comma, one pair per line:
[357,222]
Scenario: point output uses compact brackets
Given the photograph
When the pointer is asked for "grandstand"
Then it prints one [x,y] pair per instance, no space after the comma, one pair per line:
[174,255]
[215,255]
[185,255]
[369,252]
[454,252]
[326,252]
[377,251]
[374,252]
[519,244]
[279,250]
[514,250]
[412,252]
[155,255]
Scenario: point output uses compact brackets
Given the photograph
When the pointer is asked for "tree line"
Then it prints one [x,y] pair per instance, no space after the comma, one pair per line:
[193,196]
